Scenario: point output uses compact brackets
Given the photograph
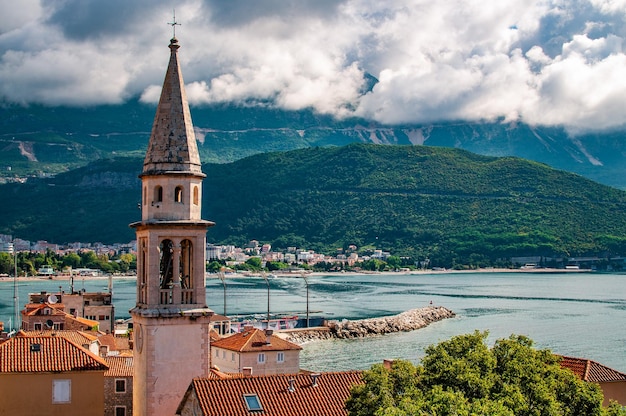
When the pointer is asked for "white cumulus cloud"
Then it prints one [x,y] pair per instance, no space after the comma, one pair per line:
[545,62]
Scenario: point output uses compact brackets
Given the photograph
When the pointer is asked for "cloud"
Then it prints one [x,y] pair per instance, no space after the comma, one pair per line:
[545,62]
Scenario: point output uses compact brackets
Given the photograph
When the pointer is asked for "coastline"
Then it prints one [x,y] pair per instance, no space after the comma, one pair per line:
[407,272]
[334,274]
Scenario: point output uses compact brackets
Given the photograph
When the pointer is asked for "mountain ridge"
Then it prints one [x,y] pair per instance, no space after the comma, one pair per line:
[449,205]
[59,139]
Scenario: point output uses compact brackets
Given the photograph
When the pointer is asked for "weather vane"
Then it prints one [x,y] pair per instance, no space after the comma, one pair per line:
[173,23]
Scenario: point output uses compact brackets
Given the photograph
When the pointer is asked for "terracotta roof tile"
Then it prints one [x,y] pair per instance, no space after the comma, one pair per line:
[54,354]
[36,309]
[254,340]
[108,340]
[119,366]
[214,335]
[84,321]
[325,399]
[216,374]
[77,337]
[219,318]
[588,370]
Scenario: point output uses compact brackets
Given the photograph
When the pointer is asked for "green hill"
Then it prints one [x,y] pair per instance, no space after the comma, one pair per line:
[450,205]
[39,140]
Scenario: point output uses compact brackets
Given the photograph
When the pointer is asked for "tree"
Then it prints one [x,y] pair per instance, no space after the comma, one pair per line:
[462,376]
[6,263]
[71,260]
[254,263]
[394,262]
[214,266]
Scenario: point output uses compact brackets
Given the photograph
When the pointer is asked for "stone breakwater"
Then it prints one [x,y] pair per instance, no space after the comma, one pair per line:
[406,321]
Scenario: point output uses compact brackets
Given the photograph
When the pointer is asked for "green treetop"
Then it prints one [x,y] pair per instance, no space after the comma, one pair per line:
[462,376]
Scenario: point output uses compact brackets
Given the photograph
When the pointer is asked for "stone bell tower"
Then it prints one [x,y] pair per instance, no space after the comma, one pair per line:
[171,319]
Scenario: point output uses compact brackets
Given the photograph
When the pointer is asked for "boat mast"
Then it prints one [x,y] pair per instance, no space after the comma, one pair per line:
[15,297]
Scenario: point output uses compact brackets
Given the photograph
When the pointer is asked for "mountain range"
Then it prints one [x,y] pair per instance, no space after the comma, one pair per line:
[43,141]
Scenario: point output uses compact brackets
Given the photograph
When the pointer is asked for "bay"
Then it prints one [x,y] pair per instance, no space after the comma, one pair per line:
[575,314]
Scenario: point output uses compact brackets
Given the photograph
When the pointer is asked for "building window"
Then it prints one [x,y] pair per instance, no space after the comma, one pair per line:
[38,327]
[224,355]
[261,358]
[232,356]
[195,195]
[61,391]
[145,194]
[252,402]
[280,357]
[120,411]
[120,386]
[178,194]
[217,353]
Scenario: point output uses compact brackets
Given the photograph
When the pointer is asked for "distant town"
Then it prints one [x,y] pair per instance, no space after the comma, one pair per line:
[120,258]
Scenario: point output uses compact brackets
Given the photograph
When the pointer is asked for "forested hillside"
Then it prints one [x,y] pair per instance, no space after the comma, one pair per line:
[449,205]
[38,140]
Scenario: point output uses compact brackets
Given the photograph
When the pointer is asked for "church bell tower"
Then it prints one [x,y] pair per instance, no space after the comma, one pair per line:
[171,319]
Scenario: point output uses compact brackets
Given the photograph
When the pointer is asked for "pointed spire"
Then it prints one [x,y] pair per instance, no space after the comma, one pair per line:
[172,145]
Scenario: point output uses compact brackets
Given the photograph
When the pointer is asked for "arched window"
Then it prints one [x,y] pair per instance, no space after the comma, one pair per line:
[178,194]
[145,195]
[166,269]
[186,264]
[158,193]
[195,195]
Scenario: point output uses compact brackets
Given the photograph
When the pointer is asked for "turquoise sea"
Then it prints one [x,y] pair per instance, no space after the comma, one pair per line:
[576,314]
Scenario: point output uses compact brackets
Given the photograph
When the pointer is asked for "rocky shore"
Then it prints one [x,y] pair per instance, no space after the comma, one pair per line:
[406,321]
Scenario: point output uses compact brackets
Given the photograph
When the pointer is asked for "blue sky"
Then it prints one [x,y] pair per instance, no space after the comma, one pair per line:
[548,62]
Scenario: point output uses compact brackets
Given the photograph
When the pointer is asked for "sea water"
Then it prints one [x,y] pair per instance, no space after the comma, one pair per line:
[575,314]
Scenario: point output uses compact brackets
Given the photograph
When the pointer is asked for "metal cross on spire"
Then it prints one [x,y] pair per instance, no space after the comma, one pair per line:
[173,23]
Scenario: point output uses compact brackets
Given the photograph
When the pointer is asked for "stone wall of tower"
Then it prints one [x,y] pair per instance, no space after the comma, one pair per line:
[169,353]
[171,197]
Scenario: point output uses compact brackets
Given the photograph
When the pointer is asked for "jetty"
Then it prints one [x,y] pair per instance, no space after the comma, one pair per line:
[345,329]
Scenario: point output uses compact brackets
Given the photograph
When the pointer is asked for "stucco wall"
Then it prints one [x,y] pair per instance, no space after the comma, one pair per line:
[31,394]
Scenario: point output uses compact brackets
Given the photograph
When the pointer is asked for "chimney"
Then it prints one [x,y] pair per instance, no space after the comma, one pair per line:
[292,385]
[387,363]
[314,378]
[268,335]
[247,327]
[247,371]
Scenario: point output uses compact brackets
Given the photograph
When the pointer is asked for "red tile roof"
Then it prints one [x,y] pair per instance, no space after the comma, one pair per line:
[36,309]
[254,340]
[77,337]
[225,397]
[588,370]
[54,354]
[119,366]
[108,340]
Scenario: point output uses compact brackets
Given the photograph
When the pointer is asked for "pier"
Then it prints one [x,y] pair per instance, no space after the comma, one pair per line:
[406,321]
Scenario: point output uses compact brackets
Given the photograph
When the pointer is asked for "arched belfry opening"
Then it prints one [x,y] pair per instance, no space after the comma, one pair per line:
[166,264]
[186,264]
